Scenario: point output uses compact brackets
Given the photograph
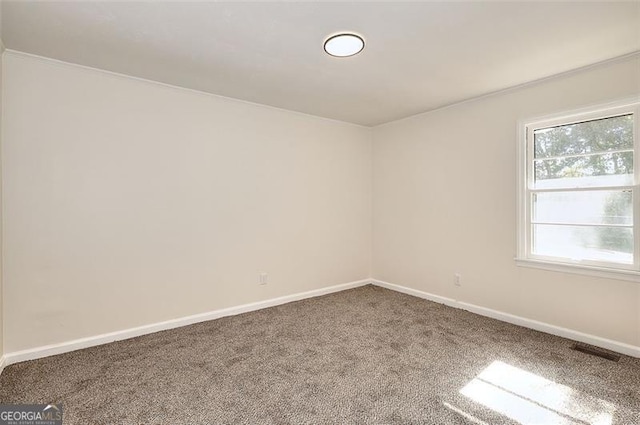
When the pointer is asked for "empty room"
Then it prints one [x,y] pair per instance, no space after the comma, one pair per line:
[320,212]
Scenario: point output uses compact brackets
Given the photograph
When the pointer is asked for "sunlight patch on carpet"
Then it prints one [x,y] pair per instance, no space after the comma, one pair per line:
[531,399]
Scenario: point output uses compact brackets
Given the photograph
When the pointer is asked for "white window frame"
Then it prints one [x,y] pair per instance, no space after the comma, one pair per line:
[525,153]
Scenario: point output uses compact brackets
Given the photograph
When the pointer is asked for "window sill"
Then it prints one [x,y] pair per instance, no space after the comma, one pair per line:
[629,275]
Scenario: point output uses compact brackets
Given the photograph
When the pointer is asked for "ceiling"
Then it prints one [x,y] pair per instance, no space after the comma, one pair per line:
[419,55]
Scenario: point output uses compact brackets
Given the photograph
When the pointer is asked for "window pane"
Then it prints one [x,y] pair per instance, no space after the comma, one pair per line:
[592,207]
[610,244]
[601,135]
[607,169]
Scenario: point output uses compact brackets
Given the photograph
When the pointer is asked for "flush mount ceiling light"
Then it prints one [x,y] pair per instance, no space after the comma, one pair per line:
[344,44]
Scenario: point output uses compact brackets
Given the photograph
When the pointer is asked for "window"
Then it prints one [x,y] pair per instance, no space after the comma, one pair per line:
[579,199]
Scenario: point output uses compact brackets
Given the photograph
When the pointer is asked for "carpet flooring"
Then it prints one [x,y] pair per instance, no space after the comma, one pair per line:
[362,356]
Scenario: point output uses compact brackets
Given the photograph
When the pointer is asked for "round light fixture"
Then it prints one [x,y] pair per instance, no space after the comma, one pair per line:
[343,45]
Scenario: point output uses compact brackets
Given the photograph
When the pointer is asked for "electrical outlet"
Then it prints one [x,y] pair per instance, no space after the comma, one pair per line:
[263,278]
[457,279]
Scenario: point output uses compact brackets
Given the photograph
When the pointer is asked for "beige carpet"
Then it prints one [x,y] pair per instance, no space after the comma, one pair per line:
[363,356]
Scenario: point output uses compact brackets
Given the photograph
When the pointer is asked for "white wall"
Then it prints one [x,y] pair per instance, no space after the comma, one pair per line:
[445,201]
[1,209]
[128,202]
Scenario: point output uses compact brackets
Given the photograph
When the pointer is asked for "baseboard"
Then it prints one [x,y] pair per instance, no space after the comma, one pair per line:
[77,344]
[619,347]
[416,293]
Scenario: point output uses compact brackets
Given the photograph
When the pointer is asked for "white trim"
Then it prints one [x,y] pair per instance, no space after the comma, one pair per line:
[507,90]
[619,347]
[582,188]
[582,269]
[77,344]
[65,347]
[525,159]
[582,155]
[416,293]
[181,88]
[2,363]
